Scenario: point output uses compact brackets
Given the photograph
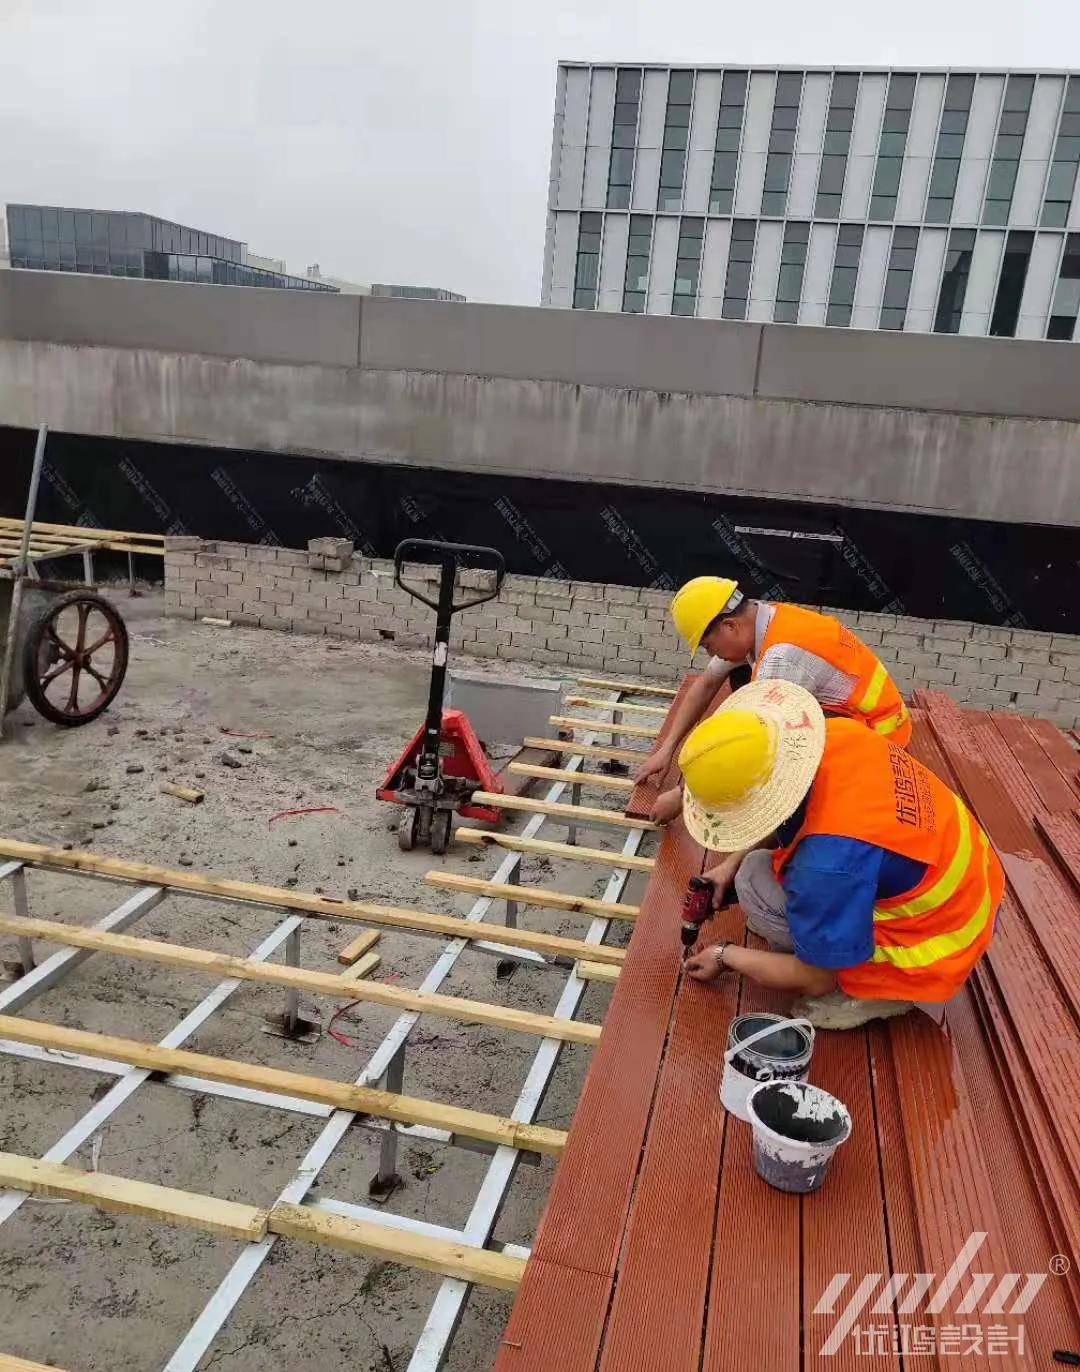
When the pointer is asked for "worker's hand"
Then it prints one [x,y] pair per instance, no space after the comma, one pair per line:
[721,877]
[666,806]
[704,965]
[655,765]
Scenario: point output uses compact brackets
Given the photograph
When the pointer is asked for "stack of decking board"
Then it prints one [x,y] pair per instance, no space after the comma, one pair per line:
[659,1247]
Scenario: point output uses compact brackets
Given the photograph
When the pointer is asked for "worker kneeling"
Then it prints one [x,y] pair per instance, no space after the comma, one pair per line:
[881,888]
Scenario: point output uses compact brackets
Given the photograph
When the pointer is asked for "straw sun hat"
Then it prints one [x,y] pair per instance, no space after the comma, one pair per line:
[749,765]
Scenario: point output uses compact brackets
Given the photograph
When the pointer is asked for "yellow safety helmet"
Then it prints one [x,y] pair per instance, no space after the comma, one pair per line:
[695,605]
[728,755]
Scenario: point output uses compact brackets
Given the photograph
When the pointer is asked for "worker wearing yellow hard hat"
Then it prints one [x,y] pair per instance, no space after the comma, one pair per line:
[777,641]
[871,881]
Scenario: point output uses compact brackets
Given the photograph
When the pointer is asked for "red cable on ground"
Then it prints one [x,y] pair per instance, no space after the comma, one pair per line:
[340,1038]
[307,810]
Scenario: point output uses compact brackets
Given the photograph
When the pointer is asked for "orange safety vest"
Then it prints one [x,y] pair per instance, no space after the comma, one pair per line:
[875,699]
[926,940]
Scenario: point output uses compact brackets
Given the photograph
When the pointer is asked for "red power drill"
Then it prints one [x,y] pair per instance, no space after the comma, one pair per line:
[697,907]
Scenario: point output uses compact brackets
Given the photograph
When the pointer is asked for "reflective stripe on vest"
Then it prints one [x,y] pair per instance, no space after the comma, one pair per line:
[868,703]
[939,946]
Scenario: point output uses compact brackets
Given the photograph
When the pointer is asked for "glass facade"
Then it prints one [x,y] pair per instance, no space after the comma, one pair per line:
[1010,139]
[975,175]
[785,120]
[120,243]
[838,126]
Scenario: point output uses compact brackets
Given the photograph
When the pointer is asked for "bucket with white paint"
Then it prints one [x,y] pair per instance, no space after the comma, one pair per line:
[763,1048]
[797,1128]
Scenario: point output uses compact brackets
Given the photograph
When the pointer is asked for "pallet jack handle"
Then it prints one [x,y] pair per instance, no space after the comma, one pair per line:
[449,556]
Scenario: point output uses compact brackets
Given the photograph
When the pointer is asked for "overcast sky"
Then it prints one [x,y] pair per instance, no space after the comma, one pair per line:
[404,142]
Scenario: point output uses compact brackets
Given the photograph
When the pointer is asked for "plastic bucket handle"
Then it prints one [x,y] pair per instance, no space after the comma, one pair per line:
[737,1048]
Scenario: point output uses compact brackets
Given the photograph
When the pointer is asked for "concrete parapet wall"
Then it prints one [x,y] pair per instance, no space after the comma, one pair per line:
[603,629]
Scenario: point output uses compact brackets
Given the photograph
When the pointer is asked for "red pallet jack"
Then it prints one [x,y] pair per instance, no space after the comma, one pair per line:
[445,762]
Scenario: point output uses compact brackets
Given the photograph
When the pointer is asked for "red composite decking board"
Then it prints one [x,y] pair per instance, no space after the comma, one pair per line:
[1062,834]
[1058,748]
[669,1234]
[586,1214]
[755,1296]
[1053,791]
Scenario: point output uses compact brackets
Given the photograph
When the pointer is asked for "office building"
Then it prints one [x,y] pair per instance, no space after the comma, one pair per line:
[923,201]
[121,243]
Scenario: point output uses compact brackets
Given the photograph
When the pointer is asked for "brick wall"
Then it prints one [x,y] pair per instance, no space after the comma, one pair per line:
[600,628]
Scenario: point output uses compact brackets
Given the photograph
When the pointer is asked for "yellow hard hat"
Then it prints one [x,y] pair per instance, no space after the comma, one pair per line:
[695,605]
[727,755]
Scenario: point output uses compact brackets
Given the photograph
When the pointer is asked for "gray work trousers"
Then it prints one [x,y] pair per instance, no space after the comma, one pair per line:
[763,901]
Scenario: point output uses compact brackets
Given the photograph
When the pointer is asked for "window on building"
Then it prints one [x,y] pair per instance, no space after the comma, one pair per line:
[623,137]
[892,145]
[587,271]
[898,277]
[1014,268]
[792,266]
[954,281]
[740,260]
[785,118]
[636,280]
[1010,139]
[1062,179]
[687,266]
[838,125]
[676,137]
[728,135]
[845,274]
[949,149]
[1066,306]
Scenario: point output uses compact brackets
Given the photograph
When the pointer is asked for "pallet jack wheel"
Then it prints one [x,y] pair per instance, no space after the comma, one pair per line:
[441,824]
[407,826]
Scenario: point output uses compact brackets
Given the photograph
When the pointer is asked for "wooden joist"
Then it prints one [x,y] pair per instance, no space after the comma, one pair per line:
[597,971]
[339,1095]
[582,815]
[56,1179]
[598,703]
[9,1363]
[568,745]
[594,781]
[534,895]
[447,1258]
[63,536]
[573,852]
[634,688]
[323,907]
[317,983]
[361,944]
[249,1223]
[600,726]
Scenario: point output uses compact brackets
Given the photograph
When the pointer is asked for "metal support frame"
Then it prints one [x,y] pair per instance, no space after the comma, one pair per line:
[386,1066]
[289,1024]
[88,566]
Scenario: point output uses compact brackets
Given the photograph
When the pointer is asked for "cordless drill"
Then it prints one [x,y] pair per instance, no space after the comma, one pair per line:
[697,907]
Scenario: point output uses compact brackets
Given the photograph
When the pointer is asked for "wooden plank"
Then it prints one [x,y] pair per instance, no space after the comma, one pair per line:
[597,703]
[597,971]
[339,1095]
[557,945]
[532,895]
[568,746]
[582,815]
[363,967]
[361,944]
[635,688]
[119,1194]
[595,781]
[571,852]
[557,1321]
[459,1260]
[191,794]
[513,781]
[1053,791]
[318,983]
[323,907]
[603,726]
[41,526]
[9,1363]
